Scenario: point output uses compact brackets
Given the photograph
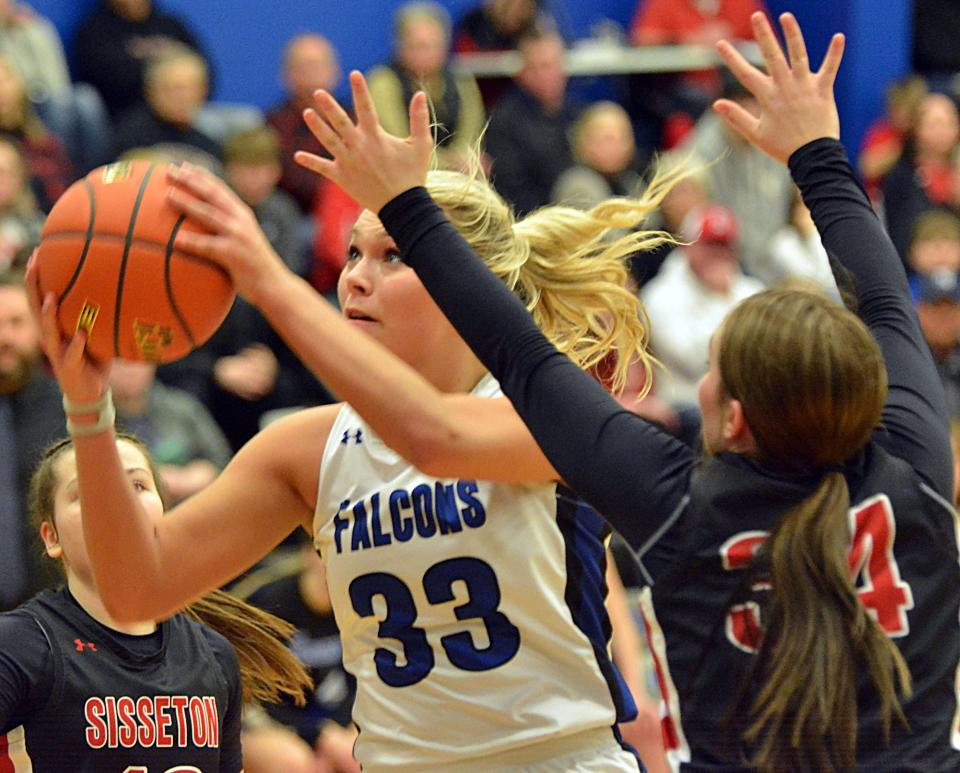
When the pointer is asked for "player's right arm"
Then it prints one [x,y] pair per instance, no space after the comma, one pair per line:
[148,570]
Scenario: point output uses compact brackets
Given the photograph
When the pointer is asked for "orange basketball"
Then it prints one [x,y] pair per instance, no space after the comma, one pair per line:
[107,252]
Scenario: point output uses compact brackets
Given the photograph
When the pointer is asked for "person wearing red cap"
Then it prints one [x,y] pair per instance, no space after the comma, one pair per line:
[698,284]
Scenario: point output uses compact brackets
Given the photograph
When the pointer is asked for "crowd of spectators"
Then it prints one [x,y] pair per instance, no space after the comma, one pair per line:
[143,86]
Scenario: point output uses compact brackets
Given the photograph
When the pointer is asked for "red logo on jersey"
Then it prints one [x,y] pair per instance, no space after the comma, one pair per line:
[85,645]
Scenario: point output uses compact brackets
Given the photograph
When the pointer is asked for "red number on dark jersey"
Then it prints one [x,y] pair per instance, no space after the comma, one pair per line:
[873,568]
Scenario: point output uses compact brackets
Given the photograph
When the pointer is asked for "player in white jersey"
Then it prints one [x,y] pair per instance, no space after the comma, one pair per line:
[471,612]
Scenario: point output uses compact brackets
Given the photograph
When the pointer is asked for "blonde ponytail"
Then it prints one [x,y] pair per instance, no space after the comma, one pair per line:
[568,266]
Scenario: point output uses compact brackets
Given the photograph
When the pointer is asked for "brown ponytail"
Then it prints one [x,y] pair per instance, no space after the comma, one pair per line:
[817,637]
[268,668]
[812,384]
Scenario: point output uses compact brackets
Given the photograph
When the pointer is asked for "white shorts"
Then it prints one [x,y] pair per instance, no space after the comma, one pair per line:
[590,751]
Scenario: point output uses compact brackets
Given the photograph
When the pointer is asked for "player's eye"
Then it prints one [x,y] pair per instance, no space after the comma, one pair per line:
[393,256]
[352,254]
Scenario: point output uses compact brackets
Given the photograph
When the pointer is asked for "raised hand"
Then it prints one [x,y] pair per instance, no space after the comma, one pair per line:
[82,379]
[367,162]
[796,105]
[235,240]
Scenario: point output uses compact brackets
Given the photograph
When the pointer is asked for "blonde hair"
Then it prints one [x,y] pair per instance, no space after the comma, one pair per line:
[268,668]
[812,383]
[572,281]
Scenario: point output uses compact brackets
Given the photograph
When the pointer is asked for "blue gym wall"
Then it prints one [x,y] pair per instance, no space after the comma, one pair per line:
[245,37]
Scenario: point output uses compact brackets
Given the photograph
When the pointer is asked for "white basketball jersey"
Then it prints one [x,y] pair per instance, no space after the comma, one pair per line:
[471,613]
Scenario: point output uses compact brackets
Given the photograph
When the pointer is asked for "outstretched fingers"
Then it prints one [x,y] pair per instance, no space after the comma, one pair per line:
[796,46]
[420,132]
[770,48]
[753,80]
[739,119]
[315,163]
[335,117]
[827,74]
[367,118]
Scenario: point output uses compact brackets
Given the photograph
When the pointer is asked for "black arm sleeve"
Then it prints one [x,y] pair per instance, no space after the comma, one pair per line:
[631,472]
[915,421]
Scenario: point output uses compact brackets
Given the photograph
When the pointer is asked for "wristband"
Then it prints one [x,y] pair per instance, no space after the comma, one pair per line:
[106,415]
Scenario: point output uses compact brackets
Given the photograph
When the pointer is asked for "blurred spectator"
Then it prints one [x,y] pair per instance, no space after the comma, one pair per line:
[938,307]
[934,248]
[689,191]
[606,158]
[657,101]
[175,87]
[299,595]
[334,215]
[883,142]
[528,136]
[421,42]
[697,285]
[926,176]
[33,44]
[242,373]
[188,445]
[310,63]
[50,168]
[20,220]
[74,112]
[252,168]
[116,40]
[936,27]
[796,252]
[499,25]
[742,177]
[31,418]
[692,22]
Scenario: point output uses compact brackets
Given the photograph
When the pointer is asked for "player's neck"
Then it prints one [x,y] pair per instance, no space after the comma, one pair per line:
[87,597]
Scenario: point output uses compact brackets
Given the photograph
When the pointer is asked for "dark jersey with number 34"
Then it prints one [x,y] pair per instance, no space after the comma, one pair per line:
[78,696]
[696,527]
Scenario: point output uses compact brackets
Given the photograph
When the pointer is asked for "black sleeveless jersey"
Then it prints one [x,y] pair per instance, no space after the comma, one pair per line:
[703,612]
[78,696]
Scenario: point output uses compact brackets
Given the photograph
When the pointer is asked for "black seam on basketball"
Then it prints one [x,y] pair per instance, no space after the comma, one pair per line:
[167,256]
[88,237]
[142,244]
[128,242]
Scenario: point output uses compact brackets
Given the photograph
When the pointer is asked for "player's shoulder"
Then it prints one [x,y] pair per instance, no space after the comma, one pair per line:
[19,627]
[23,641]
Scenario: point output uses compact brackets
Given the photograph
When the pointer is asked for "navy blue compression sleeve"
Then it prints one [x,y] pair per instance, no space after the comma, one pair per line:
[915,420]
[626,468]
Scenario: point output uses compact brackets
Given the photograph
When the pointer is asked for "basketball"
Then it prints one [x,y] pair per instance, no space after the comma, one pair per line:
[107,252]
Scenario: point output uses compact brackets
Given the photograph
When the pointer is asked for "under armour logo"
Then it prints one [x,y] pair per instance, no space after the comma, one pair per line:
[357,437]
[82,645]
